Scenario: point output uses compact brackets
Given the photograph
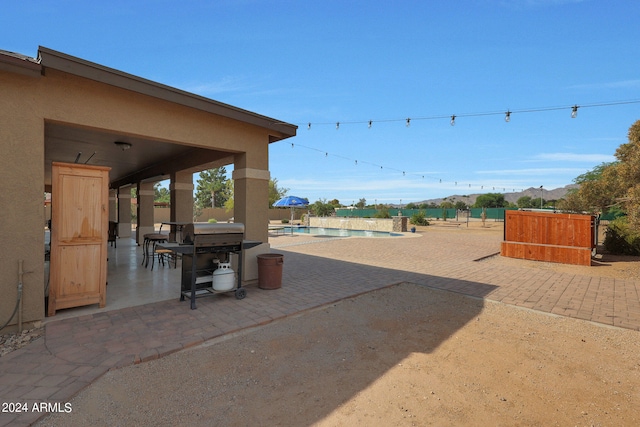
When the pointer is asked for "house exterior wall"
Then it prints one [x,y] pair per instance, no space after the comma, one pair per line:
[22,196]
[28,102]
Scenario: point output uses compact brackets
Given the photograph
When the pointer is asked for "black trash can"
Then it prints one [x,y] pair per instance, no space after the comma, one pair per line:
[270,271]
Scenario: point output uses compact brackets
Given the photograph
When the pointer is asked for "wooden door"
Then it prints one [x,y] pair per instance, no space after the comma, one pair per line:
[79,234]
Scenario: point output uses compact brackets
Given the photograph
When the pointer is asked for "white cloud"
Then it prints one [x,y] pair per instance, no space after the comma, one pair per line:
[534,171]
[619,84]
[575,157]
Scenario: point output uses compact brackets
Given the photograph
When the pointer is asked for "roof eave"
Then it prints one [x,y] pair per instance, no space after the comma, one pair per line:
[69,64]
[20,64]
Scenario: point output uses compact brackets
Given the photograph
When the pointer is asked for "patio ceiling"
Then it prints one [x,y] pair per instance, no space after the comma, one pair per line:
[146,160]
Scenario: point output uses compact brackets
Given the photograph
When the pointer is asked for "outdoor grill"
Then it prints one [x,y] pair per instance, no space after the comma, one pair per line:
[203,247]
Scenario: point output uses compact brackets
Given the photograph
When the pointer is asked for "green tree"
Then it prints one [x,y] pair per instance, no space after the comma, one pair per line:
[524,202]
[490,200]
[228,205]
[162,194]
[212,189]
[460,205]
[572,202]
[598,189]
[536,203]
[322,208]
[614,185]
[361,203]
[382,212]
[275,193]
[628,174]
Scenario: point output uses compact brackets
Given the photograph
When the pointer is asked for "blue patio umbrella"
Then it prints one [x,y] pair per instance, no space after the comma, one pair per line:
[291,202]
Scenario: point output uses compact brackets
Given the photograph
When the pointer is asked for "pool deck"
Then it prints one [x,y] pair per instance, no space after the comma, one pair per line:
[77,350]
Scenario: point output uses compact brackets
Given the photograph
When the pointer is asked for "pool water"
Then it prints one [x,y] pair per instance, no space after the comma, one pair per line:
[339,232]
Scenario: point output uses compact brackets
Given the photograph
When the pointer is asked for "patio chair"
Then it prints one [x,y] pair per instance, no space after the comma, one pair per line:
[113,233]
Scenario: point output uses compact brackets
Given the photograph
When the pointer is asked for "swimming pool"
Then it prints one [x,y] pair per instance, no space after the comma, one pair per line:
[339,232]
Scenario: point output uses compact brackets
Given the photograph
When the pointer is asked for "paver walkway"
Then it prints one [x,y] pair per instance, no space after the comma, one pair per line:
[317,271]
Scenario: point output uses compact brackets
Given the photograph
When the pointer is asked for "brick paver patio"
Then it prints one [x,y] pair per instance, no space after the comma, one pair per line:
[317,271]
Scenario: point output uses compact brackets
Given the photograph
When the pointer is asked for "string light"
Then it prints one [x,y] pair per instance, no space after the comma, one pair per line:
[506,114]
[574,111]
[507,117]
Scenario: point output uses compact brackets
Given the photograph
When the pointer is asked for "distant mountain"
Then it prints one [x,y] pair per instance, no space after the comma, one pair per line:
[532,192]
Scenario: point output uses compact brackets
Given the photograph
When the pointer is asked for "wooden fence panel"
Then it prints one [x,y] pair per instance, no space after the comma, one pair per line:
[552,237]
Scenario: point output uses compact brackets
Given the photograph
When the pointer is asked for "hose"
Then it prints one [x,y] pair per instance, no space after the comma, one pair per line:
[16,308]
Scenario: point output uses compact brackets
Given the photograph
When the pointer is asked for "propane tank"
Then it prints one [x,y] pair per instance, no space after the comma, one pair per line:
[224,277]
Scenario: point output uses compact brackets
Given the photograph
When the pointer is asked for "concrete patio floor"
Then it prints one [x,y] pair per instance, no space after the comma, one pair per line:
[82,344]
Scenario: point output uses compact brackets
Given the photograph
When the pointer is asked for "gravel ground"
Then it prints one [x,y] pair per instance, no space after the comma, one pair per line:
[13,341]
[406,355]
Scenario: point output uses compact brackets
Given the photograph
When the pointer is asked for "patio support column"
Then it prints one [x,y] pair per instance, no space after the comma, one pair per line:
[251,207]
[113,205]
[124,211]
[251,202]
[145,211]
[181,191]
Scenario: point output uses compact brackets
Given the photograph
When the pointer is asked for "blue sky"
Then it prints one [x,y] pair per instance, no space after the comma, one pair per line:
[323,62]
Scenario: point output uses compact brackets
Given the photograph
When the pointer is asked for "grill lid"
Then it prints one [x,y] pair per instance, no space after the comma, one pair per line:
[204,228]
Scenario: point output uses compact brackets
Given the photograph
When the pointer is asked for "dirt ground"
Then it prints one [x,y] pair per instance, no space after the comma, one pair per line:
[406,355]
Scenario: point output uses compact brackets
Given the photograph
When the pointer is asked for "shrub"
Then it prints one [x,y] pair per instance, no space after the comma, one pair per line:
[383,212]
[621,239]
[419,218]
[212,221]
[285,221]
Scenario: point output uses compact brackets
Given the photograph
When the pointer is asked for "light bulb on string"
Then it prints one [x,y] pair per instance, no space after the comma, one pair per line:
[453,120]
[507,116]
[337,125]
[408,122]
[370,123]
[309,126]
[574,111]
